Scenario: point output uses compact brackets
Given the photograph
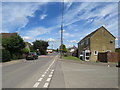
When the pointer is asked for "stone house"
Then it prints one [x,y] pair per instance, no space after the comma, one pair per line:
[100,40]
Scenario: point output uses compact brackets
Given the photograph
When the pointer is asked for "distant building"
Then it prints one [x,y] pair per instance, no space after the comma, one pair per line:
[49,50]
[73,51]
[101,40]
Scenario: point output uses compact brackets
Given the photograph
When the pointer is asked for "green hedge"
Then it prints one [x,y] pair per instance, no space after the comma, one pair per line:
[5,55]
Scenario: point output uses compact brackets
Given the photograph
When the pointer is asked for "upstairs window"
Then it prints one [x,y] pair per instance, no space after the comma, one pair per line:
[87,41]
[82,43]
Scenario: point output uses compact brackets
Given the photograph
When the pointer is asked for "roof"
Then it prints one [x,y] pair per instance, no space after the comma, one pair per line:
[91,34]
[8,34]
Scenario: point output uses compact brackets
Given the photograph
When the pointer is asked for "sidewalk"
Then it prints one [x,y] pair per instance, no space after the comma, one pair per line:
[109,64]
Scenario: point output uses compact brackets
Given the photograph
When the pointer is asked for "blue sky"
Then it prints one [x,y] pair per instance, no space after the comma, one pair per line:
[42,21]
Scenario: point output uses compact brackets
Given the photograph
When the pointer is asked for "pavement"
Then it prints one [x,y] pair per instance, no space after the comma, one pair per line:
[51,72]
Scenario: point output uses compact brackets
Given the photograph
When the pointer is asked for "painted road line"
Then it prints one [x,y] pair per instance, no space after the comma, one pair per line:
[48,79]
[43,75]
[40,79]
[52,70]
[36,84]
[50,75]
[46,85]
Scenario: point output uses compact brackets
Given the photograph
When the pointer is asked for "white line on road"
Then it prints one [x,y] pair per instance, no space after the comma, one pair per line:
[48,79]
[53,70]
[46,85]
[50,75]
[40,79]
[36,84]
[43,75]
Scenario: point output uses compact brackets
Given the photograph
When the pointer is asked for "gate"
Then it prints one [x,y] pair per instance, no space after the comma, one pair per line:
[102,57]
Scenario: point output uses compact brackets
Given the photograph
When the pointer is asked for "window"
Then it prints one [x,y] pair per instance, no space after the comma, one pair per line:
[82,43]
[95,52]
[87,41]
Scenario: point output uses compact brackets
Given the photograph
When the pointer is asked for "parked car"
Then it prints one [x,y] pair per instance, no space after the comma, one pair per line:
[32,55]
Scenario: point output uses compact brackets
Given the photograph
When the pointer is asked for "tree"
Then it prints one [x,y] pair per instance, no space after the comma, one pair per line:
[41,45]
[63,48]
[14,45]
[117,50]
[25,50]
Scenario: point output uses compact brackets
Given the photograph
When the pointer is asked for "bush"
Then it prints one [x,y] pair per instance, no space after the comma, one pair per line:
[65,55]
[25,50]
[5,55]
[14,56]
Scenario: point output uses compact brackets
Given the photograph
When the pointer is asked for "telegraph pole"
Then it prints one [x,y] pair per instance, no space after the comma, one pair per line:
[62,29]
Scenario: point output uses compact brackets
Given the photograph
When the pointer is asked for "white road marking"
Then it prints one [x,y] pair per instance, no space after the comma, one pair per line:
[52,70]
[50,75]
[46,85]
[43,75]
[40,79]
[48,79]
[36,84]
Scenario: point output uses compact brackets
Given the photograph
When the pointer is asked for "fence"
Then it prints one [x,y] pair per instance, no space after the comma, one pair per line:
[109,57]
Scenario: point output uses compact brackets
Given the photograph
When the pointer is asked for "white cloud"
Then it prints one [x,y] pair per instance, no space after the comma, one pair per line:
[50,40]
[68,34]
[73,41]
[37,31]
[16,14]
[26,38]
[43,16]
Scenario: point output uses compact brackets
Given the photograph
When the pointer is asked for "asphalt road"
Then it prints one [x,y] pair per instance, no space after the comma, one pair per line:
[25,74]
[49,72]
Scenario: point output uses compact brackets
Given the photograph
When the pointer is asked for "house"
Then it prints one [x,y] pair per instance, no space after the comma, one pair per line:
[49,50]
[73,51]
[100,40]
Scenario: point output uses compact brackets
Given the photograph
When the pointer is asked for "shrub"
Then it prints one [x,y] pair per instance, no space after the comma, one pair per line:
[5,55]
[65,55]
[14,56]
[25,50]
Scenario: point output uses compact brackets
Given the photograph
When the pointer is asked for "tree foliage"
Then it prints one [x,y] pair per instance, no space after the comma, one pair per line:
[25,50]
[63,48]
[5,55]
[41,45]
[13,44]
[117,50]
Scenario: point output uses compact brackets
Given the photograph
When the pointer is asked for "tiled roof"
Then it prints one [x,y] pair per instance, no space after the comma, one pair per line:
[8,34]
[91,34]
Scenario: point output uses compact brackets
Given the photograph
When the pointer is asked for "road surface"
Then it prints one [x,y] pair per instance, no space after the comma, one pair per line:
[50,72]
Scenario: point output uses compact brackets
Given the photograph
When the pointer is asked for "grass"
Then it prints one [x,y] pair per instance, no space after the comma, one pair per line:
[71,58]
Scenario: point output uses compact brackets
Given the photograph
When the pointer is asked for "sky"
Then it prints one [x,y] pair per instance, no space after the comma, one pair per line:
[42,20]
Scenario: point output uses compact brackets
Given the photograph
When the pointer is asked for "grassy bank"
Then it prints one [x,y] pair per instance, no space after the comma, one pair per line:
[71,58]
